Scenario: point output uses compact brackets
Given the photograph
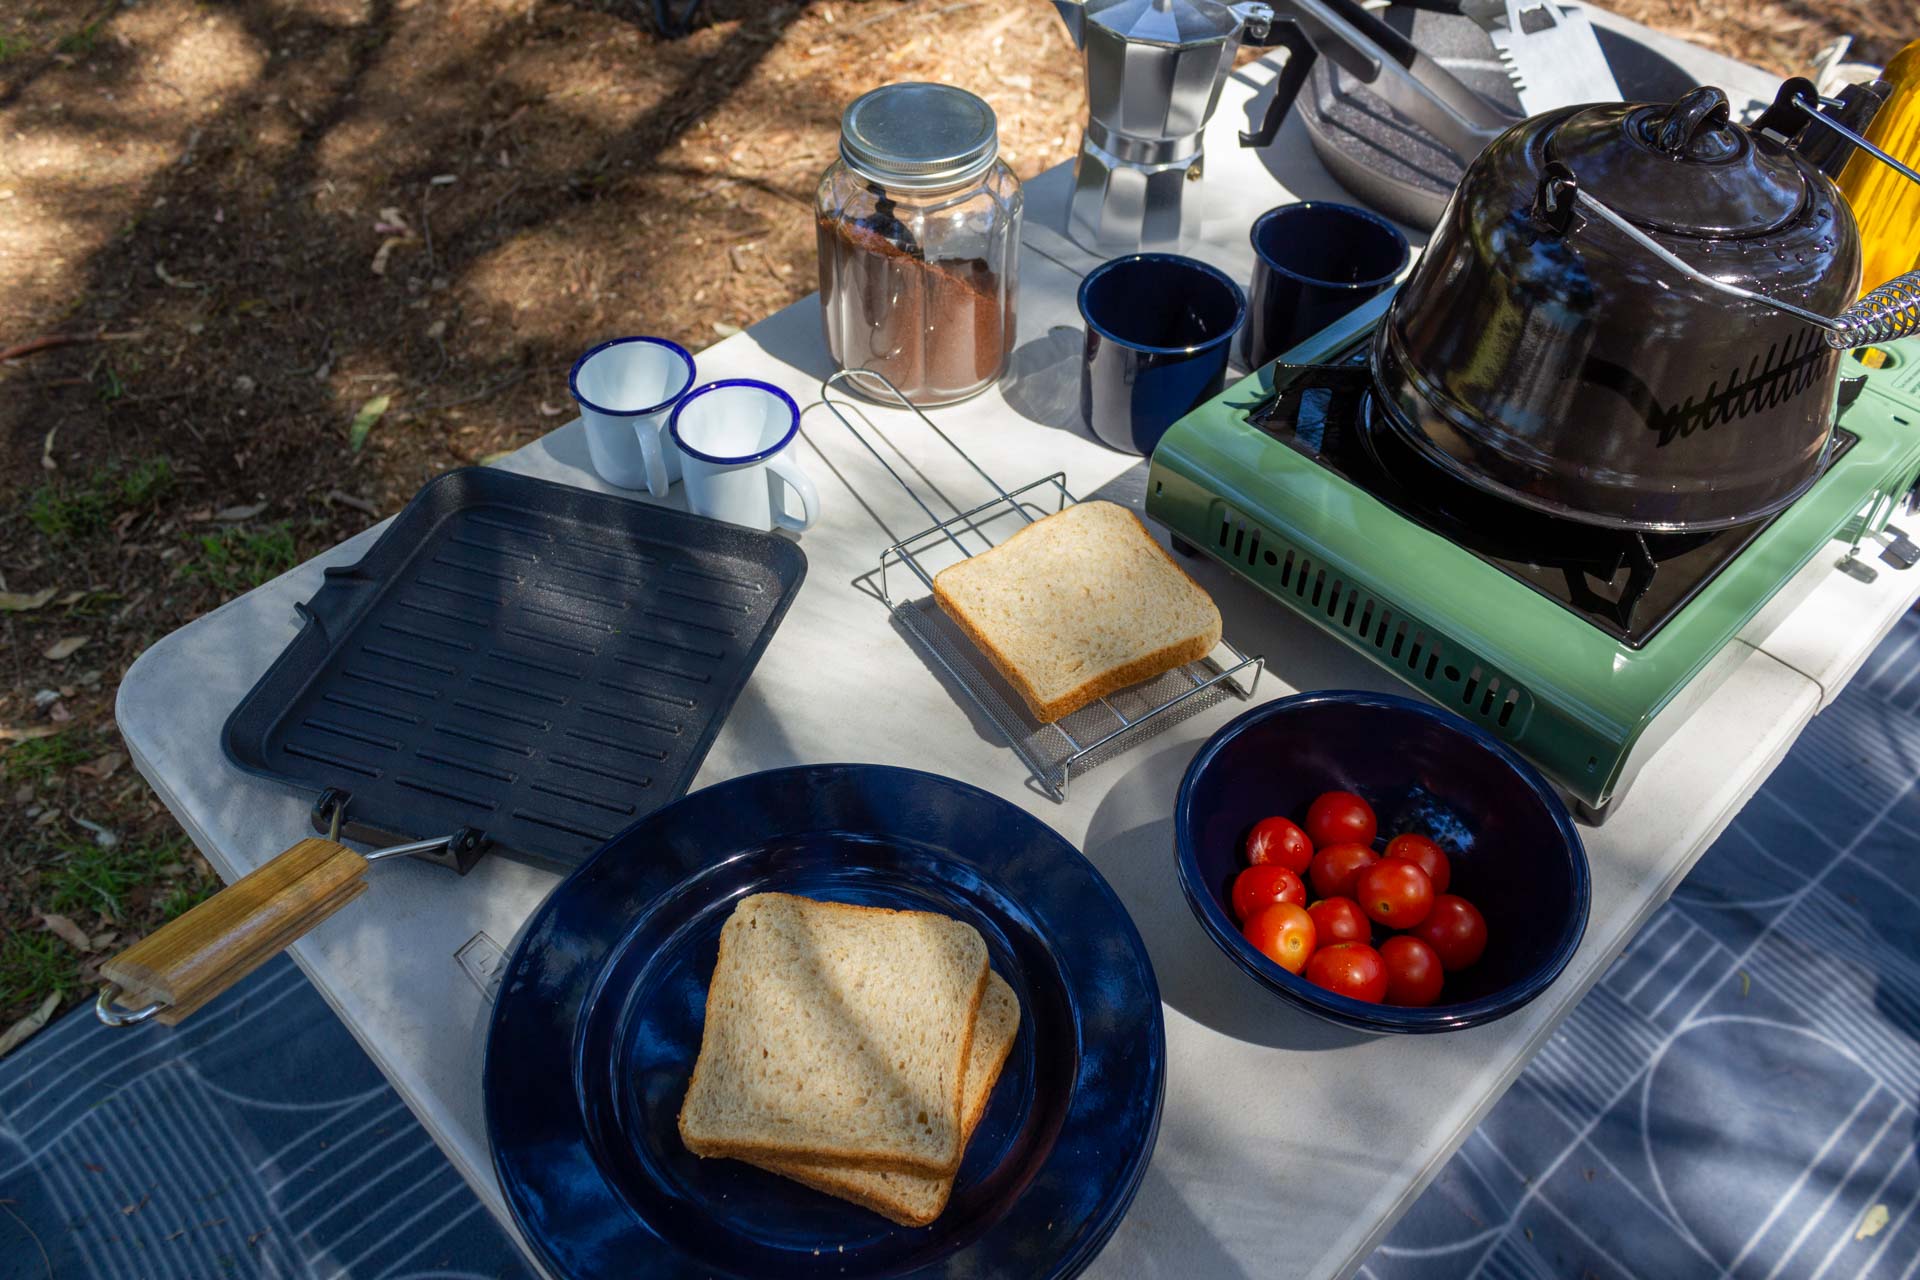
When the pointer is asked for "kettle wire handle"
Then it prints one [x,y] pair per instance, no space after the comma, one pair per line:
[1799,95]
[1887,313]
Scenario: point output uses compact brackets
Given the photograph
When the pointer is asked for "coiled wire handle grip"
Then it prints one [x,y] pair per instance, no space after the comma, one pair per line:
[1887,313]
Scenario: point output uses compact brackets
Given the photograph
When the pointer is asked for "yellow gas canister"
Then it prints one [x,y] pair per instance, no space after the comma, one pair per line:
[1884,203]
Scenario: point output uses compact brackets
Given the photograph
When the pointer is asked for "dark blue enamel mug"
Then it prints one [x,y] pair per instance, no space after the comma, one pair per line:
[1159,330]
[1314,262]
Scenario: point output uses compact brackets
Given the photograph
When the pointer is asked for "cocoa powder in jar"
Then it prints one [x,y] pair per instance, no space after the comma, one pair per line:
[939,330]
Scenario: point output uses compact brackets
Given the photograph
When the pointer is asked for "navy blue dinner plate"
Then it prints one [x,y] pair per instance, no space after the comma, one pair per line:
[598,1020]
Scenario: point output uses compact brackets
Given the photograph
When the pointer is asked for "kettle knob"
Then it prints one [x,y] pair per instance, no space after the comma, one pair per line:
[1696,126]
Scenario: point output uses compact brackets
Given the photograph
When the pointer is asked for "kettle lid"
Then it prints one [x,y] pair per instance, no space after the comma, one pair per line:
[1684,168]
[1171,22]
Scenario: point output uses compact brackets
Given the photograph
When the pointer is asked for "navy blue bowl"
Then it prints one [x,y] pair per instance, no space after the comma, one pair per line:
[1513,848]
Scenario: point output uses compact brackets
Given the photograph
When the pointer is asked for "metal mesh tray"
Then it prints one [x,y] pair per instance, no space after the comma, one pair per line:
[1053,753]
[540,663]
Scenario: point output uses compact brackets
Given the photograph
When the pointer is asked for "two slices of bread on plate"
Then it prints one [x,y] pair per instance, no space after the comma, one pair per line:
[852,1049]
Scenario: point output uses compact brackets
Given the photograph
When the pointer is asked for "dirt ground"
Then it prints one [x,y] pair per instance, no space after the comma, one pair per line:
[230,232]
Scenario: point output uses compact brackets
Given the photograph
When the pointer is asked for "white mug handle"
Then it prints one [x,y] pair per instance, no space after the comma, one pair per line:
[790,474]
[652,434]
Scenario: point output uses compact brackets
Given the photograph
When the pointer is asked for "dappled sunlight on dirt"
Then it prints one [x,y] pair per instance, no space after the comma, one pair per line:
[82,140]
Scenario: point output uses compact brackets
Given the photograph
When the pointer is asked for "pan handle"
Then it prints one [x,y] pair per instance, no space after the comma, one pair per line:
[182,965]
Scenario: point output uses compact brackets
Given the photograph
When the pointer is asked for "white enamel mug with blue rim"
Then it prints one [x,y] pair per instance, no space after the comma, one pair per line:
[733,437]
[625,389]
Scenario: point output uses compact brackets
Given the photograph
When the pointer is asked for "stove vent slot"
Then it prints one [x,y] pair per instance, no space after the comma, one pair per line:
[1482,693]
[1241,541]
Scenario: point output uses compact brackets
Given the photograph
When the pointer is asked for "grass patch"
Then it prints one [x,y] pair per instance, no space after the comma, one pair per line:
[83,41]
[9,48]
[237,560]
[183,898]
[43,760]
[89,878]
[31,966]
[68,512]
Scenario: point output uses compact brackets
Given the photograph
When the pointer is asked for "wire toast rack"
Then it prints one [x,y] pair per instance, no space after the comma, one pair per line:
[1053,753]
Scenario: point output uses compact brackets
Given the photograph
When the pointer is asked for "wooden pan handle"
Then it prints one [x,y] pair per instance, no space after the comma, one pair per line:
[189,961]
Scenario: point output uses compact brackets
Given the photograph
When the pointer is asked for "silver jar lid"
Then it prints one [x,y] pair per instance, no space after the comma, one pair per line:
[919,136]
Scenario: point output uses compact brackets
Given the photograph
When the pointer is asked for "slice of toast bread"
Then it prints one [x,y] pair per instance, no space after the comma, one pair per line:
[1077,606]
[914,1200]
[837,1033]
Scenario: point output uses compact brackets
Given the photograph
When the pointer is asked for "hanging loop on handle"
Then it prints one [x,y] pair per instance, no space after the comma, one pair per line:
[104,1008]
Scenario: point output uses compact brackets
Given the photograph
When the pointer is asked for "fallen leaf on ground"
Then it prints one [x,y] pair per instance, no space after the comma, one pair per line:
[19,1032]
[22,601]
[26,732]
[348,500]
[102,836]
[58,713]
[104,939]
[247,512]
[67,931]
[724,329]
[172,281]
[104,766]
[363,422]
[385,250]
[65,647]
[1870,1225]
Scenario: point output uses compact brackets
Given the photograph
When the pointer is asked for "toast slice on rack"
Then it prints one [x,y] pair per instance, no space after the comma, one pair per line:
[837,1034]
[910,1199]
[1077,606]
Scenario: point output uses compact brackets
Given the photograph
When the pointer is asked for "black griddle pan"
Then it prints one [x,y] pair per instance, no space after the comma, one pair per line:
[529,663]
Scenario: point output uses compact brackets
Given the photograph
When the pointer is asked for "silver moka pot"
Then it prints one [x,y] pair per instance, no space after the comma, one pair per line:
[1154,71]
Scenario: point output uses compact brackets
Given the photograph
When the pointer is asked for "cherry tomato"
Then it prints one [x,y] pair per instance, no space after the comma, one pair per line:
[1413,971]
[1259,887]
[1337,866]
[1339,920]
[1349,969]
[1425,854]
[1340,817]
[1455,930]
[1280,841]
[1283,933]
[1394,892]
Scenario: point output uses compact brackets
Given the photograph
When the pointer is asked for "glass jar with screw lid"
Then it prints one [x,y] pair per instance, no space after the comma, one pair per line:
[918,224]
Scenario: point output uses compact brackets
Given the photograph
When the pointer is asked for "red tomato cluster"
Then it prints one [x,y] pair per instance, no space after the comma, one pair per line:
[1330,941]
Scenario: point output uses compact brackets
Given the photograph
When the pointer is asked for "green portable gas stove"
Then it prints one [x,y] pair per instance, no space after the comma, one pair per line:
[1583,647]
